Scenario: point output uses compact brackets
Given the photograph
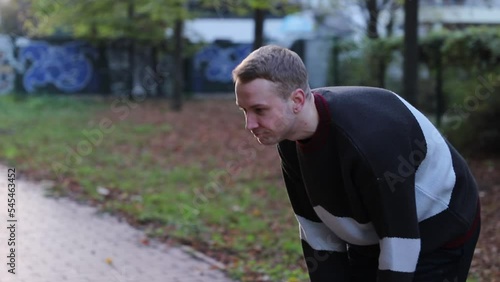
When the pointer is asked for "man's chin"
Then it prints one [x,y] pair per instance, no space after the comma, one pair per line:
[267,141]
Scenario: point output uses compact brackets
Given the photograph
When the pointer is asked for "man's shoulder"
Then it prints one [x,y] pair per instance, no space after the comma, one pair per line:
[350,90]
[347,105]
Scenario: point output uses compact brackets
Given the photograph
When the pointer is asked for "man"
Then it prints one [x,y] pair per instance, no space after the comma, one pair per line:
[379,195]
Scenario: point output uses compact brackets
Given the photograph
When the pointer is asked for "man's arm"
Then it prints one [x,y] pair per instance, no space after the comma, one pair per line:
[389,198]
[394,217]
[324,253]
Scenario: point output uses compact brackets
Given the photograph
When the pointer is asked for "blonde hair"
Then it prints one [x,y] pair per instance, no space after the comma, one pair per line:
[277,64]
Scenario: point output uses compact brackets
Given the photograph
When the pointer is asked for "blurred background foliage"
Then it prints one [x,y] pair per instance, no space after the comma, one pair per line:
[459,80]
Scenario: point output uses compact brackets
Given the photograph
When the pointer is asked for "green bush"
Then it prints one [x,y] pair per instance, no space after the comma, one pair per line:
[469,61]
[473,120]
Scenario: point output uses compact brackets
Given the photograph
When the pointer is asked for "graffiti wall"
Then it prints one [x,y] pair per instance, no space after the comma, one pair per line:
[69,66]
[41,66]
[212,66]
[8,65]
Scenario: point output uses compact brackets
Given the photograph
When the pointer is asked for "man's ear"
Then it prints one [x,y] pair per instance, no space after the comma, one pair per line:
[298,98]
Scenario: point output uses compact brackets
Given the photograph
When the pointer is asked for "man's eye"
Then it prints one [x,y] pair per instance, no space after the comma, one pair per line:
[259,111]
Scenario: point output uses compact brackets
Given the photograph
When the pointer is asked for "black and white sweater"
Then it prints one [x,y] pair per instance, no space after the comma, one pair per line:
[376,172]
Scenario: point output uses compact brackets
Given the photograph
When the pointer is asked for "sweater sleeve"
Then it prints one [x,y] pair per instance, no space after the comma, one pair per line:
[325,254]
[388,194]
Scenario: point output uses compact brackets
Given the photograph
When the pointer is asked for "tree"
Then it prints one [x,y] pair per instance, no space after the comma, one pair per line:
[410,68]
[11,17]
[258,9]
[258,17]
[106,19]
[178,75]
[372,22]
[373,9]
[374,12]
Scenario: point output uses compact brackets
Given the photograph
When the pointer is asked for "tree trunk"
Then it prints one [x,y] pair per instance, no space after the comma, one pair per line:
[336,67]
[154,62]
[382,66]
[392,15]
[439,86]
[372,33]
[131,53]
[258,17]
[410,71]
[131,61]
[373,12]
[178,74]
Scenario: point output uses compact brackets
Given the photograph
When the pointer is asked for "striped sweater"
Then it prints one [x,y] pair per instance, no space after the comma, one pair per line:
[375,173]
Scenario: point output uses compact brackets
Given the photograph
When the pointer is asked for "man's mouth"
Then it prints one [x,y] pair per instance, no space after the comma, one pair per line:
[257,134]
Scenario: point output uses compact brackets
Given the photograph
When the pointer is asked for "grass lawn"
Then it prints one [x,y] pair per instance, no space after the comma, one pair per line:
[194,177]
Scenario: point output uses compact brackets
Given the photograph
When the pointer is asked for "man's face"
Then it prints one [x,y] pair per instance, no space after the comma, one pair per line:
[267,115]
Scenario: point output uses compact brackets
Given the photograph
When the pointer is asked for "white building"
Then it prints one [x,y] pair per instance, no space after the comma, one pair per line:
[438,13]
[241,30]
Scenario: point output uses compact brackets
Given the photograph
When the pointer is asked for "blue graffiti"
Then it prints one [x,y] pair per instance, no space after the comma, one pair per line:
[66,66]
[218,62]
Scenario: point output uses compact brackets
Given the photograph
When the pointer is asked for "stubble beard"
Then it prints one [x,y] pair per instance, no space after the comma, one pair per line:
[267,142]
[269,137]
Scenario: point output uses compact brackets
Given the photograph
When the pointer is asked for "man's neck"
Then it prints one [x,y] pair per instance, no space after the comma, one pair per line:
[308,120]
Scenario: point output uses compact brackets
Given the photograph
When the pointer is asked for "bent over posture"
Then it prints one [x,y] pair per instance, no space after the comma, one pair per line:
[378,193]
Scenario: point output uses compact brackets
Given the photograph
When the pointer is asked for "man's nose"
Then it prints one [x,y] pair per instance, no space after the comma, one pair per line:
[251,122]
